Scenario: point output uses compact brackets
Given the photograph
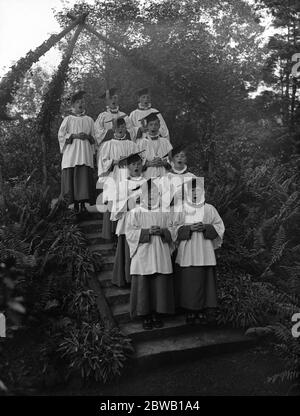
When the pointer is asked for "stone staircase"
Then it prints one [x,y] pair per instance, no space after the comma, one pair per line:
[176,340]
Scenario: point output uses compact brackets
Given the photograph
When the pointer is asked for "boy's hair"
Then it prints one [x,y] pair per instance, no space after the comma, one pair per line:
[142,91]
[77,96]
[120,121]
[151,117]
[178,149]
[133,158]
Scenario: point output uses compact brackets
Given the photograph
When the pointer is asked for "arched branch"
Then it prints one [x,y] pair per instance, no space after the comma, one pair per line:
[10,82]
[52,101]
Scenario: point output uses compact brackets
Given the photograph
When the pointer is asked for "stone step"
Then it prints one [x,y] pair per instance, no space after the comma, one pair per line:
[115,295]
[107,249]
[121,312]
[187,346]
[104,278]
[92,215]
[108,263]
[172,326]
[91,226]
[95,239]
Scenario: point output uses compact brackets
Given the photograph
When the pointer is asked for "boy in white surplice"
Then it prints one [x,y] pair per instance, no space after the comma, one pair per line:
[143,110]
[198,230]
[150,245]
[105,120]
[156,148]
[128,193]
[109,166]
[77,145]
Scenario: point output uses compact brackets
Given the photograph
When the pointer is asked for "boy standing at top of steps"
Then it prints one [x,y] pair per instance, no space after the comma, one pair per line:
[198,230]
[76,140]
[109,166]
[150,243]
[143,110]
[128,198]
[157,148]
[105,122]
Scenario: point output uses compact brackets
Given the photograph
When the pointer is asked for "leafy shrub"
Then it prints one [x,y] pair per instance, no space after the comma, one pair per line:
[245,303]
[288,348]
[97,352]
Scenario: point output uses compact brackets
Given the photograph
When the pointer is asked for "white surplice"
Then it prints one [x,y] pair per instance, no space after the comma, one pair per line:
[104,123]
[152,257]
[112,150]
[110,176]
[138,114]
[80,152]
[197,251]
[159,147]
[171,184]
[130,188]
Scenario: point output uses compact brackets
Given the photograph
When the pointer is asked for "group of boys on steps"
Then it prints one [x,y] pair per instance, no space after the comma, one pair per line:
[166,232]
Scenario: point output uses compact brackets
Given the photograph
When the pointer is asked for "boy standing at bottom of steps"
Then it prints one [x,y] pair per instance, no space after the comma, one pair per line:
[150,243]
[198,230]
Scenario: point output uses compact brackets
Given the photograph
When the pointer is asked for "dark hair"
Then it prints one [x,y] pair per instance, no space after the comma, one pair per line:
[77,96]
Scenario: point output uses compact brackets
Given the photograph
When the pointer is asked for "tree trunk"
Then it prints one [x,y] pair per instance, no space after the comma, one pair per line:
[44,161]
[2,200]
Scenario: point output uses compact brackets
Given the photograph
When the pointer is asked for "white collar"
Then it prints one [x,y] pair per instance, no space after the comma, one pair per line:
[157,136]
[178,171]
[113,111]
[156,209]
[78,115]
[120,138]
[141,107]
[135,178]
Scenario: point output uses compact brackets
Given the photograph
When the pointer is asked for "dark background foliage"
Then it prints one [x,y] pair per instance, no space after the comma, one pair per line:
[206,59]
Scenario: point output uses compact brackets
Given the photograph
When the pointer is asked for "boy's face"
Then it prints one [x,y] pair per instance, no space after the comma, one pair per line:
[153,127]
[179,160]
[145,99]
[79,105]
[135,168]
[121,130]
[113,101]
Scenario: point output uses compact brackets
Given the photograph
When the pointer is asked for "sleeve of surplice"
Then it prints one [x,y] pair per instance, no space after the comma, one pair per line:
[93,134]
[216,222]
[163,130]
[63,134]
[100,129]
[133,232]
[104,159]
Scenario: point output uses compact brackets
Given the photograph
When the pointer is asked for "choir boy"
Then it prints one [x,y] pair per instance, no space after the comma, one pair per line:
[109,166]
[157,148]
[199,231]
[128,197]
[77,145]
[150,243]
[104,125]
[143,110]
